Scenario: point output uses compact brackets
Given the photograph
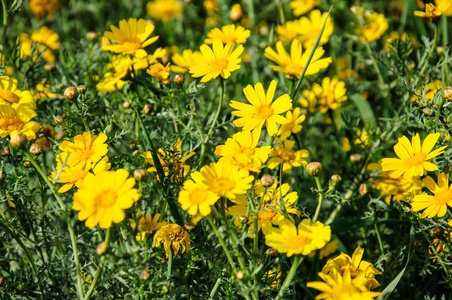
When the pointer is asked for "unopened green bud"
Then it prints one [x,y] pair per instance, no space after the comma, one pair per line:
[314,168]
[18,141]
[71,93]
[139,174]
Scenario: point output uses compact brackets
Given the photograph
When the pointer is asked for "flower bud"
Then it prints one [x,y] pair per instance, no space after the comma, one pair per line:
[447,93]
[139,174]
[59,135]
[356,158]
[145,275]
[336,178]
[165,289]
[272,252]
[239,275]
[126,104]
[189,226]
[314,168]
[236,13]
[267,180]
[363,189]
[179,79]
[5,151]
[135,153]
[36,149]
[71,93]
[58,119]
[81,89]
[18,141]
[49,67]
[132,145]
[166,81]
[427,111]
[91,36]
[102,249]
[2,279]
[148,108]
[243,219]
[435,230]
[27,164]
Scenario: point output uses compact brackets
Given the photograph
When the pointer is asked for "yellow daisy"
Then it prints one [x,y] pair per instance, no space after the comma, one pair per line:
[159,71]
[131,38]
[293,65]
[196,197]
[14,121]
[11,95]
[147,225]
[301,239]
[42,91]
[42,8]
[228,34]
[182,63]
[45,39]
[261,110]
[432,11]
[285,155]
[427,93]
[294,118]
[103,197]
[309,28]
[414,159]
[300,7]
[164,10]
[329,95]
[434,205]
[374,26]
[289,31]
[226,179]
[118,68]
[326,251]
[210,63]
[174,236]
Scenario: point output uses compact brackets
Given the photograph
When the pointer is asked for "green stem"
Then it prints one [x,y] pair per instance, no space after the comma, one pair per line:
[435,41]
[223,244]
[214,123]
[380,242]
[438,113]
[293,270]
[170,263]
[374,62]
[438,257]
[321,196]
[68,221]
[193,113]
[5,27]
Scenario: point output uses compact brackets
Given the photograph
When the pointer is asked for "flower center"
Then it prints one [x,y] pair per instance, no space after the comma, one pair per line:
[443,197]
[77,175]
[172,233]
[346,291]
[11,123]
[246,150]
[267,215]
[264,111]
[223,184]
[298,242]
[86,154]
[286,154]
[219,64]
[198,196]
[416,160]
[9,96]
[293,70]
[132,45]
[107,199]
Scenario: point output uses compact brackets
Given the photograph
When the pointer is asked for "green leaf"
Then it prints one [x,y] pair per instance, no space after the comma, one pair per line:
[366,112]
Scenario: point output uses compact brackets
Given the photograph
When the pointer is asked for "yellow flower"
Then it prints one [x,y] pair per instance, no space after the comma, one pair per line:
[226,179]
[329,95]
[308,237]
[432,11]
[309,28]
[164,9]
[394,188]
[445,10]
[427,93]
[244,142]
[329,249]
[221,61]
[42,8]
[356,266]
[85,150]
[289,31]
[196,197]
[236,12]
[342,286]
[103,197]
[394,36]
[42,91]
[272,277]
[262,109]
[172,235]
[130,38]
[14,121]
[434,205]
[295,118]
[183,62]
[10,95]
[45,39]
[300,7]
[414,159]
[140,63]
[293,65]
[228,34]
[363,138]
[147,225]
[171,161]
[374,26]
[119,68]
[285,155]
[159,71]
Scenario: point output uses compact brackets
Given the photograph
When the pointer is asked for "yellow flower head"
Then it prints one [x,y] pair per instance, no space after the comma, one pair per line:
[326,251]
[119,68]
[226,179]
[42,8]
[356,266]
[373,27]
[414,159]
[14,121]
[182,63]
[12,96]
[172,235]
[159,71]
[85,150]
[45,39]
[164,10]
[210,63]
[293,65]
[103,197]
[310,28]
[131,38]
[228,34]
[42,91]
[432,11]
[428,92]
[300,7]
[261,110]
[172,161]
[285,155]
[301,240]
[236,12]
[147,225]
[196,197]
[363,138]
[295,119]
[329,95]
[434,205]
[289,31]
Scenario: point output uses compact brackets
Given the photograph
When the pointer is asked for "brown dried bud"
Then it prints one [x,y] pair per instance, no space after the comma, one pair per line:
[102,249]
[91,36]
[435,230]
[166,81]
[272,252]
[5,151]
[336,178]
[243,219]
[355,158]
[267,180]
[427,111]
[18,141]
[145,275]
[148,108]
[239,275]
[71,93]
[139,174]
[189,226]
[81,89]
[44,142]
[27,164]
[290,77]
[179,79]
[126,104]
[314,168]
[363,189]
[59,135]
[135,153]
[49,67]
[447,93]
[58,119]
[36,149]
[132,146]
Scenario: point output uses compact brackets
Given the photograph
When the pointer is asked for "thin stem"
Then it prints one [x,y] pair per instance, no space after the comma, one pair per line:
[435,41]
[170,263]
[223,244]
[321,196]
[5,27]
[293,270]
[438,112]
[193,113]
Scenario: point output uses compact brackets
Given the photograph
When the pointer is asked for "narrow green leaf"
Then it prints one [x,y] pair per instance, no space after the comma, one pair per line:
[367,114]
